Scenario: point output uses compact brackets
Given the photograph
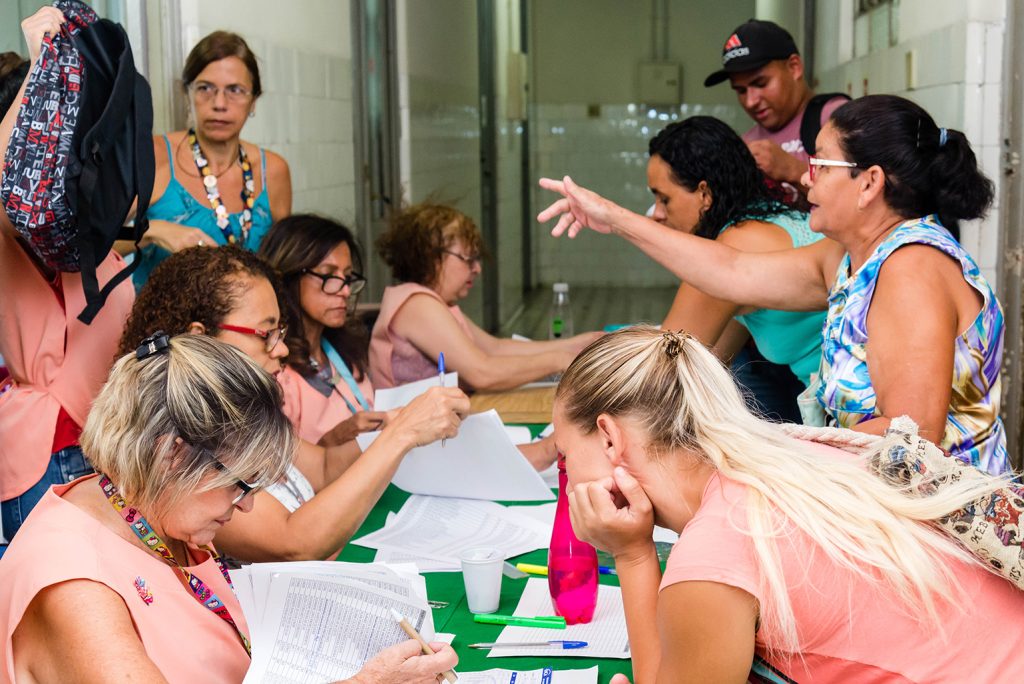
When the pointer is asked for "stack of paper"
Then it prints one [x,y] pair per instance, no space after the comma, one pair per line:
[542,676]
[438,529]
[479,463]
[605,635]
[319,621]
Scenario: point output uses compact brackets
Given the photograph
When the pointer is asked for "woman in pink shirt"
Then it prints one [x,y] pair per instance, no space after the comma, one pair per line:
[436,254]
[121,564]
[326,379]
[789,551]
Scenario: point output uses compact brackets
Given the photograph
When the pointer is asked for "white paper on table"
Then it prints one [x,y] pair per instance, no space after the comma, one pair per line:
[321,629]
[605,635]
[478,463]
[518,434]
[396,397]
[423,564]
[441,528]
[663,534]
[542,676]
[545,513]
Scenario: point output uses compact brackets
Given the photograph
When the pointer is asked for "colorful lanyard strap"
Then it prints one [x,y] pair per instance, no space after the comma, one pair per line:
[335,358]
[213,194]
[142,529]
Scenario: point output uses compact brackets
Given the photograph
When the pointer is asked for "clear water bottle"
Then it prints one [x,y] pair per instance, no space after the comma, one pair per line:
[572,564]
[561,312]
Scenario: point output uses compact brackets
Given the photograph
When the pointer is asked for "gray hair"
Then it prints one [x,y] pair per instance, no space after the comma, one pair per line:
[160,422]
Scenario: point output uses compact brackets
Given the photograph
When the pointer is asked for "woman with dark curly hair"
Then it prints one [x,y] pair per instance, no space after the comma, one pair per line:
[706,182]
[232,295]
[435,252]
[326,381]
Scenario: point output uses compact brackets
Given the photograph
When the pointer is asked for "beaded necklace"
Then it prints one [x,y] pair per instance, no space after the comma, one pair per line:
[152,541]
[213,194]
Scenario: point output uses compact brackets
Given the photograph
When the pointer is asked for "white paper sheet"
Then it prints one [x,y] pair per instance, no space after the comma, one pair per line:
[396,397]
[518,434]
[422,563]
[545,513]
[478,463]
[542,676]
[440,528]
[605,635]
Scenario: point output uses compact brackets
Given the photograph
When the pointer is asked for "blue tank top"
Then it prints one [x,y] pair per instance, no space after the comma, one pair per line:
[790,338]
[178,206]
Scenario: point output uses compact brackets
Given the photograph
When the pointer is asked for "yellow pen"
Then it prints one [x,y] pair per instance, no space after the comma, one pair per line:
[531,569]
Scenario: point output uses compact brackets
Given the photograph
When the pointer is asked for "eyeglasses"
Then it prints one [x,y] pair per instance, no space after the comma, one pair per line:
[270,337]
[245,487]
[470,261]
[814,162]
[332,284]
[234,93]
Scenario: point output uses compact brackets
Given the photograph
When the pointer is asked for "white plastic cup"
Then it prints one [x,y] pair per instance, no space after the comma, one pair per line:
[481,573]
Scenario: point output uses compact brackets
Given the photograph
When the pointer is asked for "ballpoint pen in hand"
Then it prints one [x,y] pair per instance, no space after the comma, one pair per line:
[565,645]
[440,377]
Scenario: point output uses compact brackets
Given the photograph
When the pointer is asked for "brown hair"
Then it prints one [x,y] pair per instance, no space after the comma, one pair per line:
[417,237]
[300,242]
[215,47]
[198,284]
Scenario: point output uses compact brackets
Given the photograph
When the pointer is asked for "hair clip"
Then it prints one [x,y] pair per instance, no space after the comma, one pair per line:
[156,343]
[674,341]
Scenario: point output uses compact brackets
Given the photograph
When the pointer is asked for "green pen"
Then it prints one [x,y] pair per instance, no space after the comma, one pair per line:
[545,621]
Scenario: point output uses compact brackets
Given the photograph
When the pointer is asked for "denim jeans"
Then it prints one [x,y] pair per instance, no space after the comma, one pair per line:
[65,465]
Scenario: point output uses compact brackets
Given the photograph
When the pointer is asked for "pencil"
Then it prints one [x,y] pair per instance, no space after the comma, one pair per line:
[440,376]
[449,675]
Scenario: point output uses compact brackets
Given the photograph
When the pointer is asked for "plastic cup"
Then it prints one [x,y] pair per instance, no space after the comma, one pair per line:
[481,572]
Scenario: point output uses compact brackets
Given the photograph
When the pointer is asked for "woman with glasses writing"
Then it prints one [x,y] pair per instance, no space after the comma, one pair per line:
[912,328]
[211,187]
[326,382]
[435,252]
[232,295]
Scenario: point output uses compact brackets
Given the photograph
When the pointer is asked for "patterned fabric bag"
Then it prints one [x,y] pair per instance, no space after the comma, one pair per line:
[81,150]
[989,527]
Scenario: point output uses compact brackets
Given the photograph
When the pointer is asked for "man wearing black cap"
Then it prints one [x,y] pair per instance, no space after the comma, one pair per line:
[762,63]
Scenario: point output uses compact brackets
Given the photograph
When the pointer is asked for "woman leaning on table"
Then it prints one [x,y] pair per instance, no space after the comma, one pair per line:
[104,583]
[231,294]
[912,326]
[788,550]
[211,187]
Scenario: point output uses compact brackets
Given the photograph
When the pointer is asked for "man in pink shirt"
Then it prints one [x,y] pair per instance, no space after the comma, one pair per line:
[761,62]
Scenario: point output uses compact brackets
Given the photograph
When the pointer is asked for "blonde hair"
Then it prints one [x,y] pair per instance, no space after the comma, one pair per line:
[207,394]
[685,399]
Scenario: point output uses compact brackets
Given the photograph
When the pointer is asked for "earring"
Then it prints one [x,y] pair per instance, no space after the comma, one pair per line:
[252,113]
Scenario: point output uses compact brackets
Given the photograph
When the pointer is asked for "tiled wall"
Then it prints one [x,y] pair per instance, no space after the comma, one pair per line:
[604,150]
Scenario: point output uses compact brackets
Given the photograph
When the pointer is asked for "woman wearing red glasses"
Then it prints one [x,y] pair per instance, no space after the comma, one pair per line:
[232,295]
[913,328]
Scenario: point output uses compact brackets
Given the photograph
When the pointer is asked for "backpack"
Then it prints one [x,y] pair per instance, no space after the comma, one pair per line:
[81,151]
[810,125]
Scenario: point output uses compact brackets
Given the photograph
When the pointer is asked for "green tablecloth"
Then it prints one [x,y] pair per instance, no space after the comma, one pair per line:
[456,618]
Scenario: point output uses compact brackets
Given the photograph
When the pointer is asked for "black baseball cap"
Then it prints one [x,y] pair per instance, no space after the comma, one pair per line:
[751,46]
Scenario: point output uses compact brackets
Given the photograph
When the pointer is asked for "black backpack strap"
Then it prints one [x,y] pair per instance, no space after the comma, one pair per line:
[811,123]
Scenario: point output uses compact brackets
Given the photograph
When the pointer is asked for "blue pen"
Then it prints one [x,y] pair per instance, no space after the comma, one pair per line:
[565,645]
[440,377]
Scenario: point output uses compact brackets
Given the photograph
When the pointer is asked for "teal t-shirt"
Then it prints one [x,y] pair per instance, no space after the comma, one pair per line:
[791,338]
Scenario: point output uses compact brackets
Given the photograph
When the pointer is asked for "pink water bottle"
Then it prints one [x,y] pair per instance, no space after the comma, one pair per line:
[572,564]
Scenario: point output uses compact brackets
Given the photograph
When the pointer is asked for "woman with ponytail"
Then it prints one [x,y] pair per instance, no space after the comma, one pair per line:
[788,550]
[912,326]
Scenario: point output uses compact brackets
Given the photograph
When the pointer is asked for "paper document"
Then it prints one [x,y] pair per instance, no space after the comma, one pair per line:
[397,397]
[543,676]
[441,528]
[545,513]
[423,564]
[311,623]
[605,635]
[479,463]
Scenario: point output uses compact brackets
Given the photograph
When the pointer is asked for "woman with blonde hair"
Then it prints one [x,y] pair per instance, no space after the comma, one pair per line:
[115,577]
[789,550]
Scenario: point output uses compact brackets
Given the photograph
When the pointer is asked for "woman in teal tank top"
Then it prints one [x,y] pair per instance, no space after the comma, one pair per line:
[211,187]
[706,182]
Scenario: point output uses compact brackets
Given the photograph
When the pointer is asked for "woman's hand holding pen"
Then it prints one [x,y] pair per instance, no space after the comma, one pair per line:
[599,516]
[434,415]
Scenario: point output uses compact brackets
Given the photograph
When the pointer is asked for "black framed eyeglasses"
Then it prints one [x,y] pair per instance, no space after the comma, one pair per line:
[270,337]
[470,261]
[332,284]
[245,488]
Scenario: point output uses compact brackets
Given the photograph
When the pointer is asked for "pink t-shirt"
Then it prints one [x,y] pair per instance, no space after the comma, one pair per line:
[312,413]
[851,630]
[788,138]
[394,360]
[61,542]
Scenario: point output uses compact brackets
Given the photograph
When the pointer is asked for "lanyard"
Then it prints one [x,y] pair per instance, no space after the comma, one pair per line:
[346,375]
[141,527]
